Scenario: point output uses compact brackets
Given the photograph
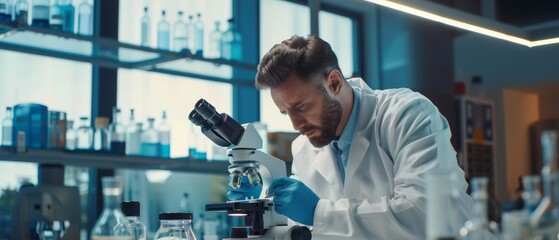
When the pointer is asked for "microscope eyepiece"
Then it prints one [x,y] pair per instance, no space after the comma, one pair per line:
[208,112]
[198,120]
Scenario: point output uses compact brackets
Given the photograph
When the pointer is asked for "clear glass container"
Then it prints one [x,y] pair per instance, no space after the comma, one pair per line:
[105,227]
[180,34]
[478,228]
[7,127]
[145,29]
[41,13]
[68,12]
[191,29]
[85,18]
[164,137]
[133,136]
[84,135]
[198,37]
[22,12]
[150,140]
[231,47]
[117,134]
[71,137]
[531,195]
[547,211]
[163,31]
[131,210]
[192,140]
[101,135]
[56,16]
[175,225]
[214,46]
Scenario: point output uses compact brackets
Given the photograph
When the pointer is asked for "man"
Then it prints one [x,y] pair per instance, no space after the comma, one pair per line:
[360,160]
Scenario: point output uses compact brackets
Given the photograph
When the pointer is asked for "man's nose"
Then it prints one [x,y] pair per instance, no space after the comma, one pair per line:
[297,121]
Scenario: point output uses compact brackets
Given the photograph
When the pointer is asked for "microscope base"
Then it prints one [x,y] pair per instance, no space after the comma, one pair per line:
[282,233]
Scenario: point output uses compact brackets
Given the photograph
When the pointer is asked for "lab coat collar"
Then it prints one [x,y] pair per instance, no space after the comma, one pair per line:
[361,142]
[325,159]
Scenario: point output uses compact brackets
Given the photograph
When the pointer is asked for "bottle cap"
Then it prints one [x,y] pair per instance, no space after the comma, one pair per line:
[130,208]
[175,216]
[101,122]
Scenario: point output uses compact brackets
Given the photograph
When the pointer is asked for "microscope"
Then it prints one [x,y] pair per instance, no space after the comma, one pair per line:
[243,150]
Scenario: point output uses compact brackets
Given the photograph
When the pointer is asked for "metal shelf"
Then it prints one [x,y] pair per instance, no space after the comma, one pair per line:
[112,161]
[110,53]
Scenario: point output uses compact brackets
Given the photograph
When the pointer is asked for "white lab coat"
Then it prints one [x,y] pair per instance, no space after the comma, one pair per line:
[399,136]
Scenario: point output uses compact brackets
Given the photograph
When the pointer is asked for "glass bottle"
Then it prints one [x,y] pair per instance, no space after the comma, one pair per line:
[164,137]
[185,204]
[71,137]
[117,134]
[214,46]
[131,211]
[105,227]
[180,34]
[68,12]
[192,140]
[150,140]
[7,127]
[531,195]
[133,136]
[56,16]
[175,225]
[231,47]
[163,29]
[5,11]
[22,12]
[191,29]
[41,13]
[198,37]
[84,134]
[101,136]
[85,18]
[547,210]
[478,228]
[145,28]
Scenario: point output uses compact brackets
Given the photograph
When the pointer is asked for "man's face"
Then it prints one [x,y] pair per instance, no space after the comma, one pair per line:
[312,111]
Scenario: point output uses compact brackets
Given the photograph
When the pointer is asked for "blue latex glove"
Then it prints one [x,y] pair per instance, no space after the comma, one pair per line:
[246,190]
[294,199]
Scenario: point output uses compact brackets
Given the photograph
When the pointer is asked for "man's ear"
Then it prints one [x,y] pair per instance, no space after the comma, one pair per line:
[335,81]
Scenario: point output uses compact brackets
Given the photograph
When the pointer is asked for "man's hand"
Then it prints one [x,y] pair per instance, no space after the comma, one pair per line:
[246,190]
[294,199]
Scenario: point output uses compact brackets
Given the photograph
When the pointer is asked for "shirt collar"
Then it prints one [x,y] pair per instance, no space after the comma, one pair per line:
[347,134]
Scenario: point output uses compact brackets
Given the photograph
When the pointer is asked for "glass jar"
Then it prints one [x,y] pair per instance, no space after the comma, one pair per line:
[175,225]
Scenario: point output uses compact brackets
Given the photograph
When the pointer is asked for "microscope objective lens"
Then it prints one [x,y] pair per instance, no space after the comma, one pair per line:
[236,178]
[253,177]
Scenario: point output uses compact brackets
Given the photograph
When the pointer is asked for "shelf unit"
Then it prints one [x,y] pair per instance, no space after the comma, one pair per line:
[110,53]
[106,52]
[109,160]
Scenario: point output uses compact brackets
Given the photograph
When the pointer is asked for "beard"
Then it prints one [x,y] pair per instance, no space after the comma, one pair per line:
[329,118]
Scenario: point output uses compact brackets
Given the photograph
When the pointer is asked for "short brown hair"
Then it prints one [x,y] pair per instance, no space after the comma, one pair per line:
[305,57]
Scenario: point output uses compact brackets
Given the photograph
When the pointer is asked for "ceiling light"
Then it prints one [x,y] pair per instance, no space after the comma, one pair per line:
[411,8]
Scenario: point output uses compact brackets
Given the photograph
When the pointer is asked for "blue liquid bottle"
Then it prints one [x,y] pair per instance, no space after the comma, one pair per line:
[41,13]
[68,12]
[164,137]
[232,47]
[163,28]
[5,11]
[150,140]
[85,18]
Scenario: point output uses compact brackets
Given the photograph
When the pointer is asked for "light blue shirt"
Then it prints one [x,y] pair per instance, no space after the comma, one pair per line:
[342,146]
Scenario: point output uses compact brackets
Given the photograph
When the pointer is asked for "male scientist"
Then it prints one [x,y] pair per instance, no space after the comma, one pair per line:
[359,163]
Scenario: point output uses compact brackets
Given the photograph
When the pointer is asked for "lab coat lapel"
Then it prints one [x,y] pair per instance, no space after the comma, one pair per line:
[325,165]
[365,118]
